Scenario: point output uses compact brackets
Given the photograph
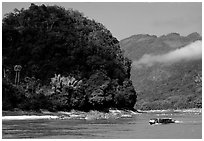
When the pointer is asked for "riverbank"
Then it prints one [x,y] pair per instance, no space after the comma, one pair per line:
[192,110]
[91,115]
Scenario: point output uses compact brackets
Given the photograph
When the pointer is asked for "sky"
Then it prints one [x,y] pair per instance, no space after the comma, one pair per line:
[125,19]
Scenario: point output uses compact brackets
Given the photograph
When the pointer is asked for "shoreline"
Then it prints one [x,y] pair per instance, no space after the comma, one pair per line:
[61,115]
[190,110]
[91,115]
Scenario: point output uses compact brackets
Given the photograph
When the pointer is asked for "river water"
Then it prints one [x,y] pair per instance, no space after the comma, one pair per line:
[137,127]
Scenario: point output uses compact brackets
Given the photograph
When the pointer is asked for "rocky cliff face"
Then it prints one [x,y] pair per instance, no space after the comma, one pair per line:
[162,83]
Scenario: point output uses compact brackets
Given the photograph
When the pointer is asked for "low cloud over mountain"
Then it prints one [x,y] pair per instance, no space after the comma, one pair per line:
[166,70]
[192,51]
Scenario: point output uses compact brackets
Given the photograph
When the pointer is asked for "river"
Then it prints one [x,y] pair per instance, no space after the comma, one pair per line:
[137,127]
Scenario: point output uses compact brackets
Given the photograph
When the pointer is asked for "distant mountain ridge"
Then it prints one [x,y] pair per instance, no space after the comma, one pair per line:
[162,86]
[154,44]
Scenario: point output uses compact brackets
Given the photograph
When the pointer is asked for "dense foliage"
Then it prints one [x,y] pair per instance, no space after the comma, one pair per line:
[48,40]
[179,88]
[61,41]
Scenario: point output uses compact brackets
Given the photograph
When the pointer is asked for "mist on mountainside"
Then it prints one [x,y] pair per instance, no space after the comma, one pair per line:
[166,70]
[192,51]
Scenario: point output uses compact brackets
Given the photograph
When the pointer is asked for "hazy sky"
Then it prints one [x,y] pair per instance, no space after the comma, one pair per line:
[126,19]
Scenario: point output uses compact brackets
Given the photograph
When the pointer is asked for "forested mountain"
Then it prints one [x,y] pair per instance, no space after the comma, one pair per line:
[162,78]
[138,45]
[49,40]
[52,38]
[72,62]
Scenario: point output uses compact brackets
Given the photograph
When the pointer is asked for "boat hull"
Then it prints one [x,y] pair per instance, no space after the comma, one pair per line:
[161,121]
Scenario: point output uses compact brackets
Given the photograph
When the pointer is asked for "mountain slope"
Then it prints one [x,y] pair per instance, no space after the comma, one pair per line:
[164,85]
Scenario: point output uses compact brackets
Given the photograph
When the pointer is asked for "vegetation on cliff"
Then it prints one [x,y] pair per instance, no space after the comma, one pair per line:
[176,85]
[50,40]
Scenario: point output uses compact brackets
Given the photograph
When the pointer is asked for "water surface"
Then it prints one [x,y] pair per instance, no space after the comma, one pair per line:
[136,127]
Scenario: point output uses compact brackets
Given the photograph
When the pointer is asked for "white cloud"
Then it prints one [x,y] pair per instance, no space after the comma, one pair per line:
[192,51]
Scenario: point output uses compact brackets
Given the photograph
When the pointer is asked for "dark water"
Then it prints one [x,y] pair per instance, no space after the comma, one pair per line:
[135,128]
